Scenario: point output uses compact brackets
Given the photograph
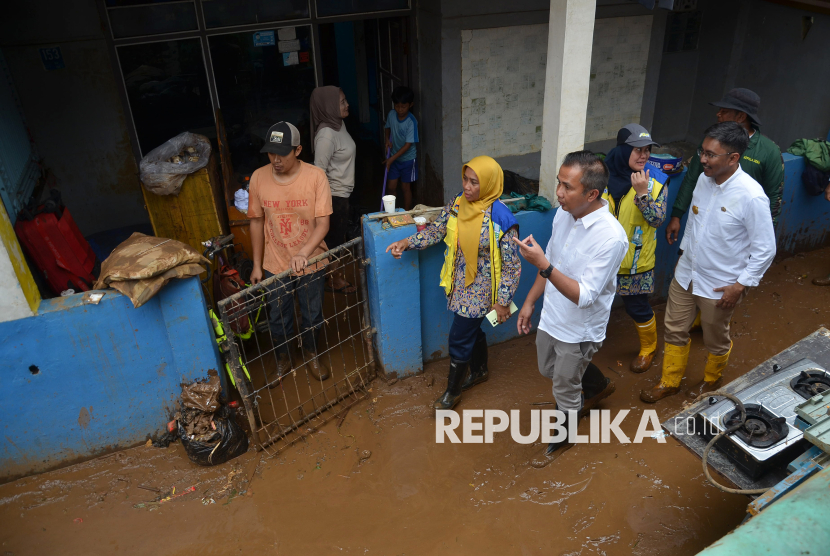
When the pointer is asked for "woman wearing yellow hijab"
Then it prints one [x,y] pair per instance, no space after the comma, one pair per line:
[475,226]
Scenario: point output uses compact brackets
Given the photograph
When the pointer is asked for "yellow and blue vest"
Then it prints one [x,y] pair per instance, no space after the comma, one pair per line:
[642,238]
[501,220]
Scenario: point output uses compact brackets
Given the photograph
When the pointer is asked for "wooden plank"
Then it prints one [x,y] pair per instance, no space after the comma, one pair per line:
[816,347]
[192,216]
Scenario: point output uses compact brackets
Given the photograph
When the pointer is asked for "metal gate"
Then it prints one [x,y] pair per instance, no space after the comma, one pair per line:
[279,407]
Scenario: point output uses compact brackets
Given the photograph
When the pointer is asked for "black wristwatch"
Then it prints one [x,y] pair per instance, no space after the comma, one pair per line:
[546,273]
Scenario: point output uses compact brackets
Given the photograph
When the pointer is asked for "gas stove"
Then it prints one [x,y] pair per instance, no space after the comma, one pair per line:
[769,436]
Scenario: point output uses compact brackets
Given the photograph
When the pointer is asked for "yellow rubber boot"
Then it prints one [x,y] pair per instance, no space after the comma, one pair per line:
[696,323]
[715,364]
[648,346]
[675,359]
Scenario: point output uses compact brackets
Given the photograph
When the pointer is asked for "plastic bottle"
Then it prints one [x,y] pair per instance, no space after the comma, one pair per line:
[638,237]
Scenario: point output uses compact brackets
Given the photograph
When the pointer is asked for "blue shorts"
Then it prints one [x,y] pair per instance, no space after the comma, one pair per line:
[406,171]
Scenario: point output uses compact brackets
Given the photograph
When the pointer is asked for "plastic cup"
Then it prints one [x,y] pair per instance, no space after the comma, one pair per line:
[389,203]
[420,223]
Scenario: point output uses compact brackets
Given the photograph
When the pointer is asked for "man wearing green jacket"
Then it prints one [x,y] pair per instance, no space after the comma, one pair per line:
[762,159]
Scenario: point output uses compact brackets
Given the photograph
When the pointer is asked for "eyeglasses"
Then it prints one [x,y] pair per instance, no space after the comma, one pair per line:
[701,154]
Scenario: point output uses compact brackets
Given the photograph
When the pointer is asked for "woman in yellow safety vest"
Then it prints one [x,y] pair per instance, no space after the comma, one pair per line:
[475,226]
[638,198]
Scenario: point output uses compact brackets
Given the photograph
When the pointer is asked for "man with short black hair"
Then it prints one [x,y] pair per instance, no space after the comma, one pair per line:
[728,244]
[578,276]
[289,208]
[761,159]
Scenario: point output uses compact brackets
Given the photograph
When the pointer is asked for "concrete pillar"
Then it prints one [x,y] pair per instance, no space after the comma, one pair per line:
[567,78]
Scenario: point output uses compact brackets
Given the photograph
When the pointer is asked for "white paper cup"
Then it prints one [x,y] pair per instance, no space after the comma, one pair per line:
[389,203]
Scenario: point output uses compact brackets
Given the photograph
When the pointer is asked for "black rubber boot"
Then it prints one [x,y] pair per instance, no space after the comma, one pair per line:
[563,444]
[595,387]
[593,381]
[553,450]
[451,397]
[478,364]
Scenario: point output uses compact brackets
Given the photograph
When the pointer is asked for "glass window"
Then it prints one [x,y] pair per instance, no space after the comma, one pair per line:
[258,86]
[167,89]
[682,31]
[327,8]
[151,19]
[224,13]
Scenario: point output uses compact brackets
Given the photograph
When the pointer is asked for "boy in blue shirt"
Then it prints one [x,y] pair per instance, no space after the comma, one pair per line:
[401,135]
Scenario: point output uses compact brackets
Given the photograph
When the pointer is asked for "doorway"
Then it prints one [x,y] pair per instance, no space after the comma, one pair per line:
[258,85]
[367,59]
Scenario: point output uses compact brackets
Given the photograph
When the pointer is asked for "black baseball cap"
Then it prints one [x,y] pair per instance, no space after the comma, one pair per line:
[742,100]
[281,139]
[635,135]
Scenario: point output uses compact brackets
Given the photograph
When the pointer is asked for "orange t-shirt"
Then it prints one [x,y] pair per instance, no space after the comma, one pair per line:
[289,210]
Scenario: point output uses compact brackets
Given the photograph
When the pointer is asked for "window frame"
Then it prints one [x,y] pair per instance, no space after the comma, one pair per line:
[203,33]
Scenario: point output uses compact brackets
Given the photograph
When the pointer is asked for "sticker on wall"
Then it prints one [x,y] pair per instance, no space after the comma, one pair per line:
[289,46]
[264,38]
[287,33]
[304,57]
[290,59]
[52,58]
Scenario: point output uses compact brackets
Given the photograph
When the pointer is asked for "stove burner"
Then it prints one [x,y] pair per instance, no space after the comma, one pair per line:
[761,429]
[810,383]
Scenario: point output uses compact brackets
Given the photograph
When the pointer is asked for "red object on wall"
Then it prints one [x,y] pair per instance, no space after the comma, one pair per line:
[56,246]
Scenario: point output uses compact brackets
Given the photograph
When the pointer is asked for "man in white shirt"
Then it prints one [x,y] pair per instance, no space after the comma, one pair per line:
[728,245]
[577,274]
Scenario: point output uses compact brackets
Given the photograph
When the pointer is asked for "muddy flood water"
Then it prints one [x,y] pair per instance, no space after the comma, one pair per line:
[381,485]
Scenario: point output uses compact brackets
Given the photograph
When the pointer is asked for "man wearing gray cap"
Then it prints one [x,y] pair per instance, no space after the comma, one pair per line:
[289,207]
[762,159]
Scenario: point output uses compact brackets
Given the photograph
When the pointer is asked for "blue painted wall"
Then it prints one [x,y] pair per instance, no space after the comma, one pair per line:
[414,328]
[108,375]
[805,220]
[394,299]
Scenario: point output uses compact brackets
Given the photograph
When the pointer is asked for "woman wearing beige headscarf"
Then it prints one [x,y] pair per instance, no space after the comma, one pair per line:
[481,269]
[334,152]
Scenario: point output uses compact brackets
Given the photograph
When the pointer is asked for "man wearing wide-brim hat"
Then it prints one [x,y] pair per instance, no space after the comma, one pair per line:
[762,159]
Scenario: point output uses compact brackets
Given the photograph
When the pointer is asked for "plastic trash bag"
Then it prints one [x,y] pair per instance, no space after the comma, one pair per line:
[228,442]
[203,396]
[240,200]
[165,178]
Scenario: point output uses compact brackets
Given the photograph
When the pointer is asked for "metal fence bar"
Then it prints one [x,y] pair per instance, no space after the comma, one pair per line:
[294,327]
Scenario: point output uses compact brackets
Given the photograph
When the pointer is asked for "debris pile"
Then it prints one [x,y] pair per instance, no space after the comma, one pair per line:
[207,428]
[188,154]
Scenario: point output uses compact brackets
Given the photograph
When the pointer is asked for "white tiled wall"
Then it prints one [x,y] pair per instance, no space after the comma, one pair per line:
[503,84]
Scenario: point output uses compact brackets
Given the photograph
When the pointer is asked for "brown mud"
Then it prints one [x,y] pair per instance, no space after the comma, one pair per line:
[381,485]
